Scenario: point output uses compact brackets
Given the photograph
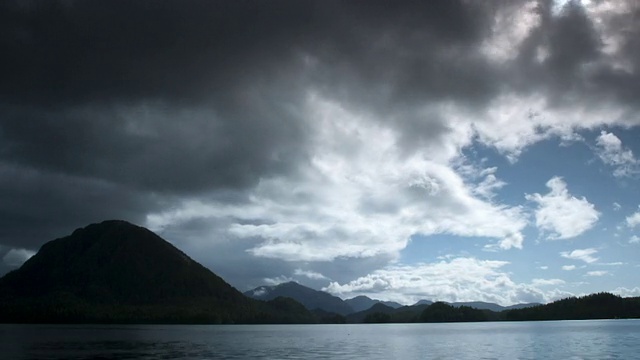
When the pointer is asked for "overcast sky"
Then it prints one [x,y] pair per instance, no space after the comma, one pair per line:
[442,150]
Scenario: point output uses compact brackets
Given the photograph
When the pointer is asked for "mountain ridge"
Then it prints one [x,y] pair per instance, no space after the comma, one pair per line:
[305,295]
[312,299]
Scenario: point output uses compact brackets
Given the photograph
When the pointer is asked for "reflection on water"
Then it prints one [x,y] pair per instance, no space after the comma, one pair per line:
[604,339]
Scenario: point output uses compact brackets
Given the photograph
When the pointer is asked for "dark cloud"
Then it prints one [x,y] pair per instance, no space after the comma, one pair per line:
[37,206]
[574,66]
[158,148]
[62,53]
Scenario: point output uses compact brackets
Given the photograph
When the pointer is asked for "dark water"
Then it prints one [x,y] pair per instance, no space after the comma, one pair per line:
[603,339]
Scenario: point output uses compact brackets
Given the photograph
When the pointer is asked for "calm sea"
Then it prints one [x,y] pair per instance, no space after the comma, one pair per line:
[602,339]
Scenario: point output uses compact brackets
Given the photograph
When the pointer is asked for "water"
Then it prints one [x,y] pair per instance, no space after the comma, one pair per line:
[601,339]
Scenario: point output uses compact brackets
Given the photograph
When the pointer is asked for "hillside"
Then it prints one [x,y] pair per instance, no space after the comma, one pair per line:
[115,261]
[118,272]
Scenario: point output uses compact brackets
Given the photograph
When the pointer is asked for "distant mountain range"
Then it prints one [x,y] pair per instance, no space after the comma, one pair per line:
[315,299]
[116,272]
[310,298]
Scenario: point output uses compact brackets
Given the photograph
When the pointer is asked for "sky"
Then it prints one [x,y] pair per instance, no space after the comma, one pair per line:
[450,150]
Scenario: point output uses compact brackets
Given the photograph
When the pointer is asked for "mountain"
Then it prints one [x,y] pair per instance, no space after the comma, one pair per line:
[117,261]
[310,298]
[361,303]
[117,272]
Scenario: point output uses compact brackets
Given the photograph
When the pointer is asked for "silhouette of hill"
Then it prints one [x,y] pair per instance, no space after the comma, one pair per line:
[118,272]
[310,298]
[117,261]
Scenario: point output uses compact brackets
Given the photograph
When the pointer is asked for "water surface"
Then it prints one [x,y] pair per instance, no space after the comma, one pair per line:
[598,339]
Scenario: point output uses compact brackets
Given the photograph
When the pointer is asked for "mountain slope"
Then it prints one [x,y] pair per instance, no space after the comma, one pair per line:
[117,261]
[118,272]
[310,298]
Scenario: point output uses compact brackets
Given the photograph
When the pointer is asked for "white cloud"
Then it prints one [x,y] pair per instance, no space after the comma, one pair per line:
[597,273]
[17,257]
[568,267]
[259,292]
[616,206]
[547,282]
[634,240]
[511,123]
[633,220]
[625,292]
[585,255]
[459,279]
[488,186]
[561,214]
[611,152]
[309,274]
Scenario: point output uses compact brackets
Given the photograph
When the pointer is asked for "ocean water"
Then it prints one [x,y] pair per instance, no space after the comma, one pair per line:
[598,339]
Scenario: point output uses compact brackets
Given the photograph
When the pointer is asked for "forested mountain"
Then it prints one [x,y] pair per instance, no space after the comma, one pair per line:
[118,272]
